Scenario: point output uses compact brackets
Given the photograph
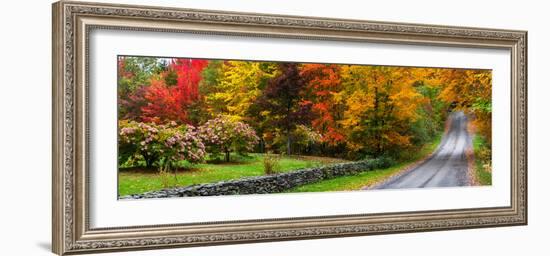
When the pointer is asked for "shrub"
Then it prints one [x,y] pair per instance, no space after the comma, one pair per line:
[381,162]
[271,163]
[180,145]
[223,135]
[133,143]
[483,153]
[159,145]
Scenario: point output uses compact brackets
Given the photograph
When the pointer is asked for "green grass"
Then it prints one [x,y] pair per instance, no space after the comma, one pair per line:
[363,179]
[139,180]
[484,177]
[136,180]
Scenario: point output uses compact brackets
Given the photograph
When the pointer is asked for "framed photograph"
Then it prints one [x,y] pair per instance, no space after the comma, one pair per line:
[178,127]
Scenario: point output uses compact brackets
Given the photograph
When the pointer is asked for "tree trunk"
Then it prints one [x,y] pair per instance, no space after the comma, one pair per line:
[175,170]
[262,146]
[377,136]
[148,162]
[288,141]
[288,107]
[227,155]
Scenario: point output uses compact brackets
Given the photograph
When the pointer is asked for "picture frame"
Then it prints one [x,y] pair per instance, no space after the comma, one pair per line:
[73,23]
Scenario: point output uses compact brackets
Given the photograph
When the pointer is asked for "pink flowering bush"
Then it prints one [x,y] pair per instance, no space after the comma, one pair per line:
[158,145]
[183,145]
[223,135]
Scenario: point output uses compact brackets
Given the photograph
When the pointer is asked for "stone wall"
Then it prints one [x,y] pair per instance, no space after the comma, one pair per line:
[269,183]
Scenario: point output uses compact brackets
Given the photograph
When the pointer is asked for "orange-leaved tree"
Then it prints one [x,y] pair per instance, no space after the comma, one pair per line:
[323,83]
[381,105]
[470,91]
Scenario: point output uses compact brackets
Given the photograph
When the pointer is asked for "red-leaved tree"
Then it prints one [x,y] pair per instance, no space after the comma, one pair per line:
[169,102]
[323,81]
[189,75]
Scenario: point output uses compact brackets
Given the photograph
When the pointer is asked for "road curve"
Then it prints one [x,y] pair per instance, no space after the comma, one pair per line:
[446,167]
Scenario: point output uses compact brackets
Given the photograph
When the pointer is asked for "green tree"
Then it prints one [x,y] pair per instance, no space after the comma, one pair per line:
[134,75]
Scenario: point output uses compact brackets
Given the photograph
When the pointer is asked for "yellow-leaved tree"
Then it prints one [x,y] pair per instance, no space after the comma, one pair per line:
[381,105]
[470,91]
[240,83]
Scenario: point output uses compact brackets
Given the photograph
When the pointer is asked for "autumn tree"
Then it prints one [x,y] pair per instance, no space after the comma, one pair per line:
[208,86]
[239,85]
[164,103]
[134,75]
[282,104]
[133,72]
[232,88]
[381,104]
[323,83]
[470,91]
[323,109]
[170,101]
[129,106]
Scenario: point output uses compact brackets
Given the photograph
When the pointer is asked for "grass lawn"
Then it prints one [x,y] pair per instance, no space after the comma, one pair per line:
[484,177]
[367,178]
[138,180]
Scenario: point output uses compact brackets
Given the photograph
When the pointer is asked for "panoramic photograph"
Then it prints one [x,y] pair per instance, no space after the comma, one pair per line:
[207,127]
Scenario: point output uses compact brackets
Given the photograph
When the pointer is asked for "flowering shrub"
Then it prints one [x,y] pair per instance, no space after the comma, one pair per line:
[223,135]
[159,145]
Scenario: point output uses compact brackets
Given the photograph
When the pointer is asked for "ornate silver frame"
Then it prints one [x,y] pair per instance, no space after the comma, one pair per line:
[72,21]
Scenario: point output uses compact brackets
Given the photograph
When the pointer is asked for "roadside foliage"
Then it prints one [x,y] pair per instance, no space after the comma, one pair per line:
[179,109]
